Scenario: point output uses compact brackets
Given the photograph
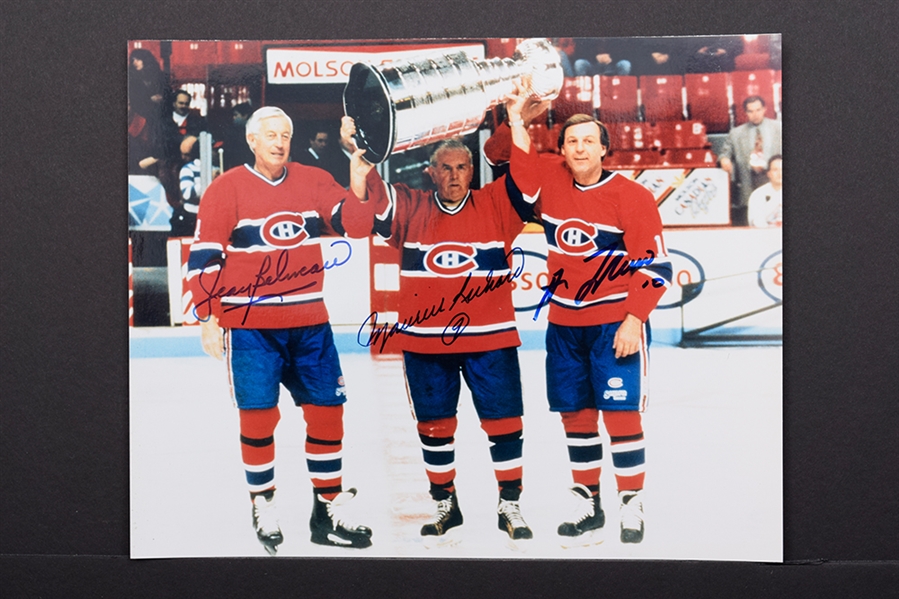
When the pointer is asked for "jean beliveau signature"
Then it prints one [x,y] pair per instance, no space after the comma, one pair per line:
[269,274]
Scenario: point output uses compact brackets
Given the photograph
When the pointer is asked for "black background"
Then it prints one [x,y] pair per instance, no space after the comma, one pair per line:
[64,422]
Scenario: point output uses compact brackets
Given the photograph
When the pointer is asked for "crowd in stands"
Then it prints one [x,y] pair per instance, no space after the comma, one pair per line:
[652,126]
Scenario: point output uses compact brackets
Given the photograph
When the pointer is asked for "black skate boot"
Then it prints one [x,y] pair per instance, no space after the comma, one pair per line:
[631,516]
[448,514]
[509,518]
[265,522]
[330,526]
[587,519]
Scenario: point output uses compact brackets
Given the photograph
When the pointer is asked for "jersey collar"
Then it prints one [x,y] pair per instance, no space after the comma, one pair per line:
[455,210]
[276,182]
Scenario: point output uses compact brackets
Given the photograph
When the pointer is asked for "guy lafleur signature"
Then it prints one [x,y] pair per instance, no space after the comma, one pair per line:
[379,333]
[268,275]
[610,269]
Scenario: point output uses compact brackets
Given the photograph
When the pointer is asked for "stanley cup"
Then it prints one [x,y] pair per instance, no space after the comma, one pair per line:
[406,104]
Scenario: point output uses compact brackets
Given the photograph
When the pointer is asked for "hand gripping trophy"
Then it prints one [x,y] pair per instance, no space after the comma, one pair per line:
[410,103]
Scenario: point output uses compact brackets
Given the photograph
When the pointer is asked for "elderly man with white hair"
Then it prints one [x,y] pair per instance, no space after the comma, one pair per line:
[256,272]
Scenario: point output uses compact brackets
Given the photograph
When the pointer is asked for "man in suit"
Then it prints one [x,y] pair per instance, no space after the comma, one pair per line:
[320,153]
[189,122]
[745,155]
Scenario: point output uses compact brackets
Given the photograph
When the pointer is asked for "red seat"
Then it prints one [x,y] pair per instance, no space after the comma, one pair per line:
[753,83]
[631,159]
[707,100]
[688,158]
[685,134]
[752,62]
[576,97]
[618,98]
[662,97]
[630,135]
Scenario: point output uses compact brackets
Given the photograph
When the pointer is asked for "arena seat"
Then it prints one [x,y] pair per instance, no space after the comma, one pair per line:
[752,62]
[676,135]
[576,97]
[662,97]
[688,158]
[753,83]
[631,135]
[707,100]
[631,159]
[618,98]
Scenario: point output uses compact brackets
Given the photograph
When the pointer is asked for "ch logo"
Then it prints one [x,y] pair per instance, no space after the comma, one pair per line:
[576,237]
[284,230]
[450,259]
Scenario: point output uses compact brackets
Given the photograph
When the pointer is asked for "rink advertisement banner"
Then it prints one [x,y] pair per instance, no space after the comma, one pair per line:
[215,471]
[332,65]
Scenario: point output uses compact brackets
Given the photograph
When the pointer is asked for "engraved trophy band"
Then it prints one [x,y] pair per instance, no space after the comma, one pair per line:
[409,103]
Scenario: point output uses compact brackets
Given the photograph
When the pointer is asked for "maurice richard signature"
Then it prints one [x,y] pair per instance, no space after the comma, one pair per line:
[268,274]
[379,333]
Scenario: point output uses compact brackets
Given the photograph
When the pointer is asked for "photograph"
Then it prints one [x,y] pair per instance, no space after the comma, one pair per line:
[456,298]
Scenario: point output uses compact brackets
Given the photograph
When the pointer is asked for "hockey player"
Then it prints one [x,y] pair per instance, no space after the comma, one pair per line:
[456,317]
[609,268]
[256,271]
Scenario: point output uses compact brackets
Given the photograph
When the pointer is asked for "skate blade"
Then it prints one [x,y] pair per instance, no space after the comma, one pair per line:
[588,539]
[270,549]
[518,545]
[450,538]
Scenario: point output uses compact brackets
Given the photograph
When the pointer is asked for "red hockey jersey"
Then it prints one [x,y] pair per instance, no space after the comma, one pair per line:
[606,256]
[456,270]
[256,259]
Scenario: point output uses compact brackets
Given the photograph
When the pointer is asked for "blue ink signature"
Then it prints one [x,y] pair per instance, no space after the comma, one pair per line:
[264,278]
[610,269]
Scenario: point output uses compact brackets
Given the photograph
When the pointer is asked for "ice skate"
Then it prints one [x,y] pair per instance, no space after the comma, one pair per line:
[631,516]
[586,523]
[330,525]
[265,522]
[510,520]
[438,531]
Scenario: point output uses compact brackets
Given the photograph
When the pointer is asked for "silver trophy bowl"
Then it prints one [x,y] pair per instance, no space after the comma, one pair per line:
[410,103]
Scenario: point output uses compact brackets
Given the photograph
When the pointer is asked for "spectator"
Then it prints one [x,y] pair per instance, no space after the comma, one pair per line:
[745,155]
[142,148]
[714,54]
[147,85]
[189,121]
[766,202]
[602,56]
[321,154]
[566,47]
[184,214]
[236,150]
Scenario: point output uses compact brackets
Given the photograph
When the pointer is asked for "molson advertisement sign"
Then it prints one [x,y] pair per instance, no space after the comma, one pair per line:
[331,64]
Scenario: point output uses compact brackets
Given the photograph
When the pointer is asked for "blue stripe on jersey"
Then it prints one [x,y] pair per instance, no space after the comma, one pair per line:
[319,466]
[438,458]
[337,219]
[486,259]
[584,454]
[629,459]
[660,269]
[260,478]
[582,305]
[200,259]
[249,236]
[524,209]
